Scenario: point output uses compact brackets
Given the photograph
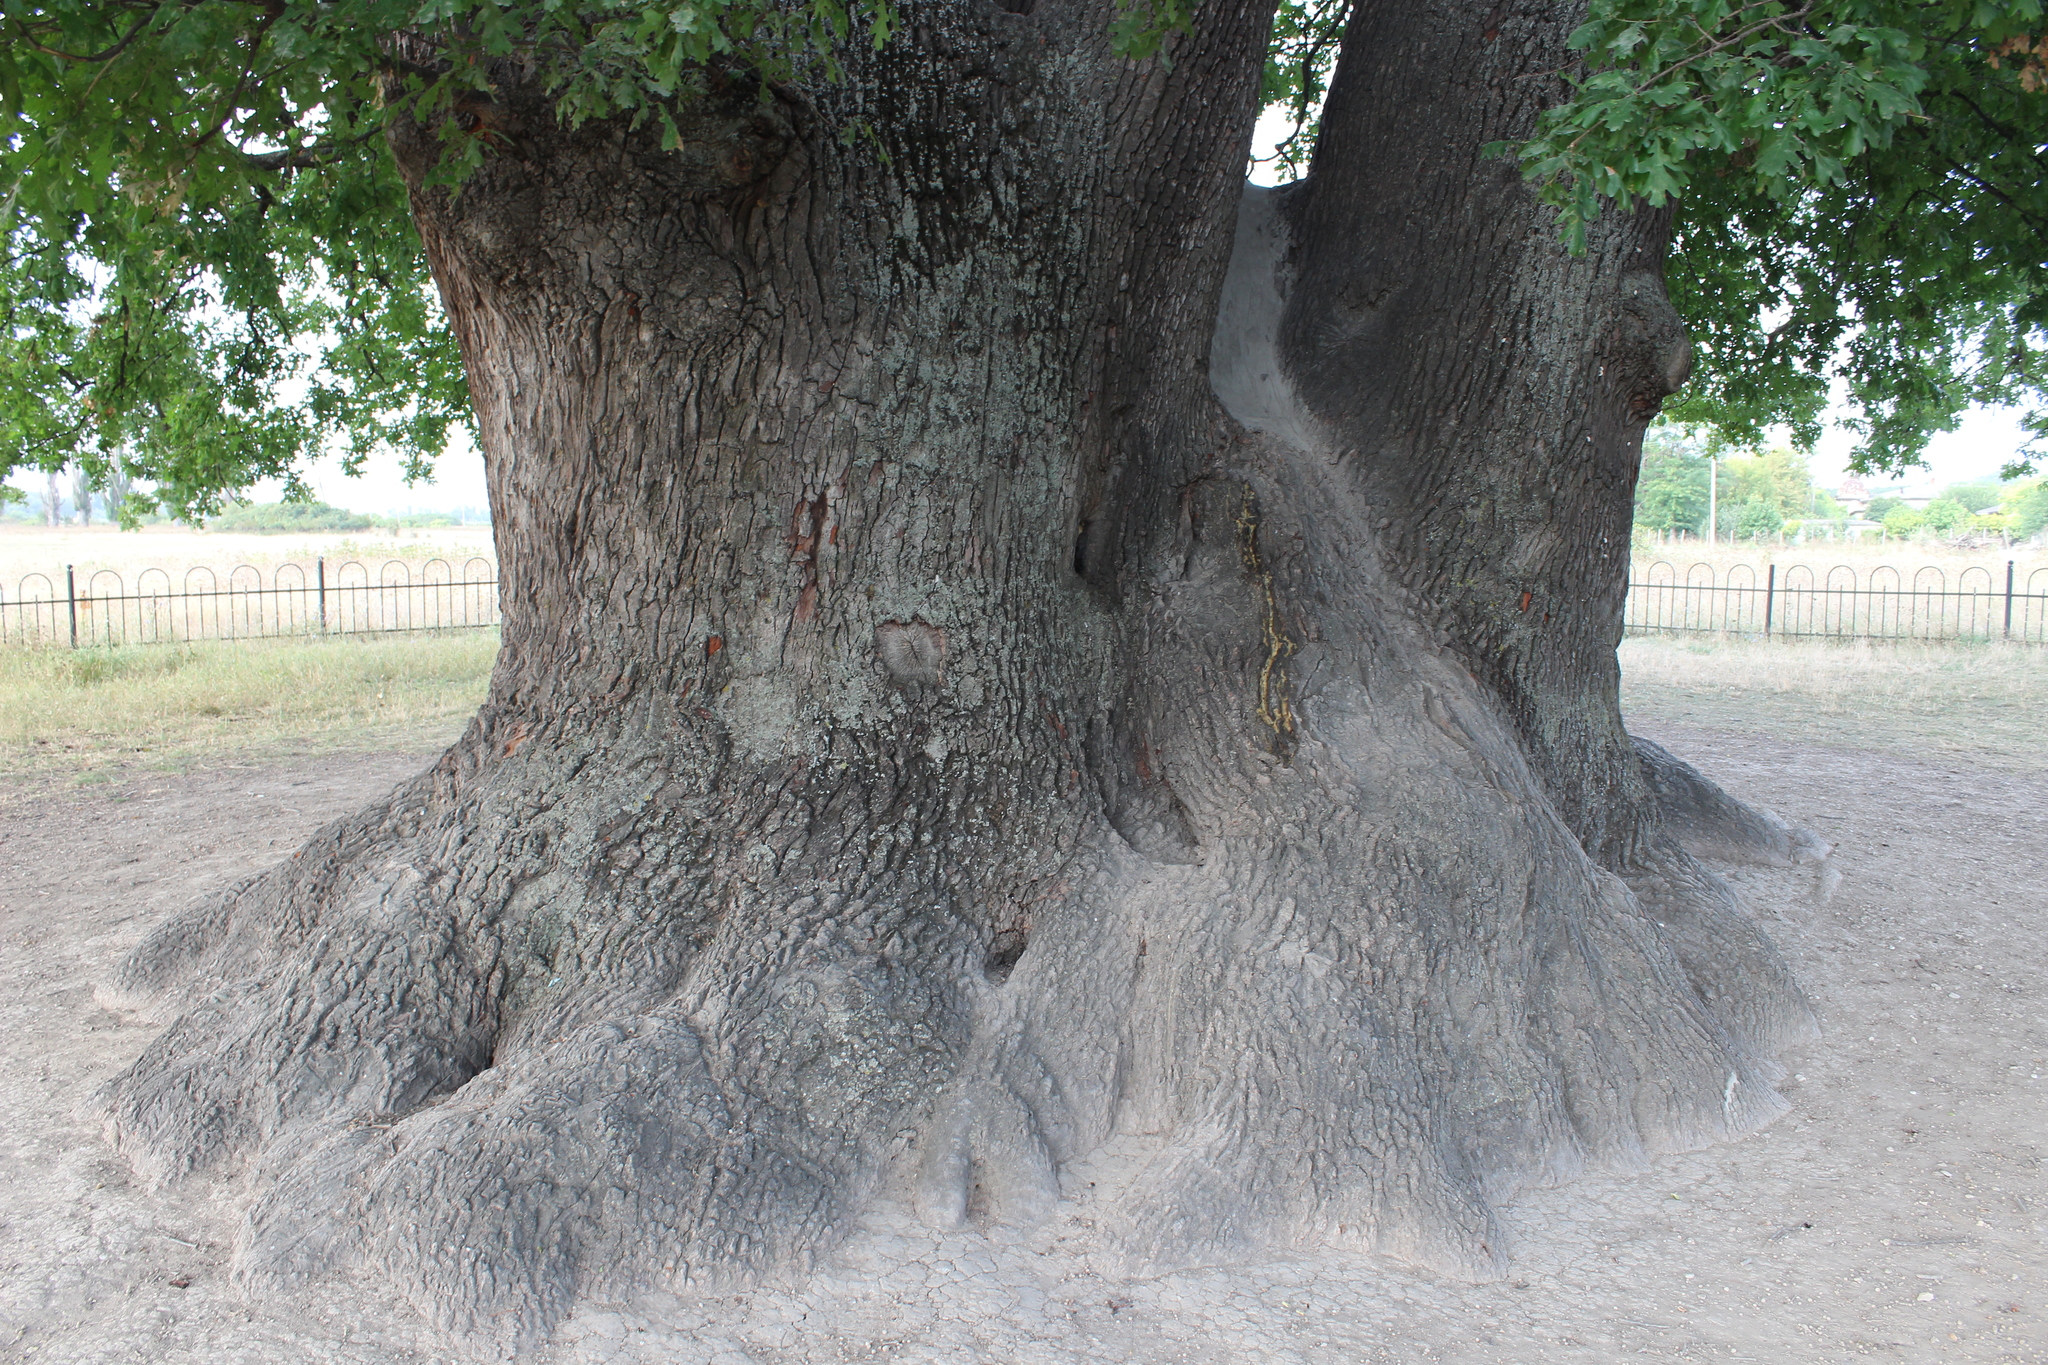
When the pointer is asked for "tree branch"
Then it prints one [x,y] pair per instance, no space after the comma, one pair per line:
[1718,44]
[304,158]
[272,12]
[1996,192]
[107,55]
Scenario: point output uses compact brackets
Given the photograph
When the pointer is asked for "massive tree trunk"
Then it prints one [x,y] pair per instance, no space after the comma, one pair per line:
[1015,648]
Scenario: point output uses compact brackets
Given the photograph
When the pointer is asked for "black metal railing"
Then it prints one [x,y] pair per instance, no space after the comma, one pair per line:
[1880,603]
[348,598]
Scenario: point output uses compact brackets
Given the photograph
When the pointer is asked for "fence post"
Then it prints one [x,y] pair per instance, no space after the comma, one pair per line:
[2008,599]
[1770,597]
[320,575]
[71,599]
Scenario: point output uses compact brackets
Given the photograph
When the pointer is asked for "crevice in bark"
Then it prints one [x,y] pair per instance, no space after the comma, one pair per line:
[1005,951]
[1138,802]
[1488,388]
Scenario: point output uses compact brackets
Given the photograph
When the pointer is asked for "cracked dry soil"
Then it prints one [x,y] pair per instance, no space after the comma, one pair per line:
[1899,1213]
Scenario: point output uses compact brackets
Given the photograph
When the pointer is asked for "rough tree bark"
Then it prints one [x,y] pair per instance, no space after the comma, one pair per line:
[1015,648]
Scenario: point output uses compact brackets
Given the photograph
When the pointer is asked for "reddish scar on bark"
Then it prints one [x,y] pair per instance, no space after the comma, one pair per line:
[713,645]
[1527,598]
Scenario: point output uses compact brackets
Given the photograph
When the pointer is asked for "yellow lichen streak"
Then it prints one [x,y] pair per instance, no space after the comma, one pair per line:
[1273,707]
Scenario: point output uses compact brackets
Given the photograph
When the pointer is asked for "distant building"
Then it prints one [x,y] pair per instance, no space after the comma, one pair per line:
[1914,495]
[1849,528]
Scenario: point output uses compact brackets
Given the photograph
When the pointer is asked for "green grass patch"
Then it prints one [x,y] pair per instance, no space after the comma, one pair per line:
[92,712]
[1976,703]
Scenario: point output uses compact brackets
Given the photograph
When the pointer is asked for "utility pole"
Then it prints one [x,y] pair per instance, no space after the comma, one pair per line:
[1713,499]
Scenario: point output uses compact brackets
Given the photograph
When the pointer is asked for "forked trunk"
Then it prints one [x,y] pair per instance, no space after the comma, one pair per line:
[1015,651]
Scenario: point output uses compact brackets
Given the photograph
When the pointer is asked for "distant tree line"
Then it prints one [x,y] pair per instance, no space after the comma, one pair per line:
[80,502]
[276,518]
[69,496]
[1765,494]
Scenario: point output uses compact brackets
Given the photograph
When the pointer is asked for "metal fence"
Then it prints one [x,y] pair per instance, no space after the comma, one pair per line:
[349,598]
[102,608]
[1881,603]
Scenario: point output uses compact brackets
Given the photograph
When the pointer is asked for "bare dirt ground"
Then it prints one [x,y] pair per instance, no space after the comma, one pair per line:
[1899,1213]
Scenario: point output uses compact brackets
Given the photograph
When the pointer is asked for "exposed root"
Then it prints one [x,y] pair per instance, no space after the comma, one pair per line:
[515,1040]
[1401,994]
[1709,823]
[1394,993]
[334,984]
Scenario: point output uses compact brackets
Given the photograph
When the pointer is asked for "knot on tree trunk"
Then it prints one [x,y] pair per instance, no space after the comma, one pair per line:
[1653,354]
[913,652]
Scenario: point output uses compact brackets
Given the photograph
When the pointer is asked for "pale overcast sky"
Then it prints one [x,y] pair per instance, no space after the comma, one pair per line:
[1987,439]
[458,482]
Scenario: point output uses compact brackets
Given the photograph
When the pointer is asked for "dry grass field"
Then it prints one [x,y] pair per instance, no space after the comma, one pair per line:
[162,704]
[88,714]
[96,715]
[1820,556]
[1974,704]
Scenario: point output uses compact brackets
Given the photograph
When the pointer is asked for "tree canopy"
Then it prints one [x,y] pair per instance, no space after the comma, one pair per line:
[1859,197]
[209,275]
